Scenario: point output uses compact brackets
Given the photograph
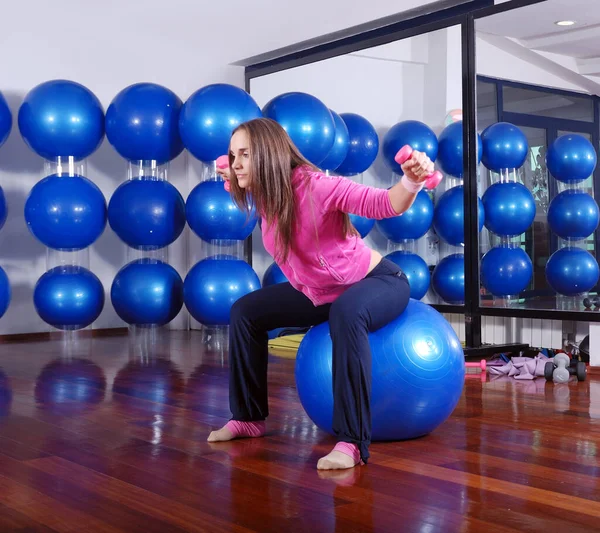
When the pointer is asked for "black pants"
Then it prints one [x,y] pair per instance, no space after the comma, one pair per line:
[365,306]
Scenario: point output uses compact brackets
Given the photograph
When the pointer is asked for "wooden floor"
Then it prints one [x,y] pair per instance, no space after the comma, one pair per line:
[110,434]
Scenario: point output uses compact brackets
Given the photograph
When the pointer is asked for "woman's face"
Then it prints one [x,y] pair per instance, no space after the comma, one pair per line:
[240,150]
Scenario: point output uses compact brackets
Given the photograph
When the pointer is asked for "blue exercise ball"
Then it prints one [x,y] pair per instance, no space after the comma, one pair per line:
[209,117]
[68,297]
[416,134]
[213,215]
[571,271]
[509,208]
[450,149]
[147,214]
[416,271]
[142,123]
[363,225]
[5,292]
[307,121]
[571,158]
[147,292]
[273,275]
[504,146]
[506,270]
[213,285]
[573,215]
[5,120]
[448,279]
[61,118]
[449,216]
[412,224]
[340,147]
[3,208]
[363,145]
[66,212]
[418,372]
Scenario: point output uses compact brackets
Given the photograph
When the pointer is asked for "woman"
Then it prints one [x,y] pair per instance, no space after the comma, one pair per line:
[332,276]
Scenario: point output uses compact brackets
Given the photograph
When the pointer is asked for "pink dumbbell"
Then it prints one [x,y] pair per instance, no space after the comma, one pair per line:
[223,162]
[482,364]
[403,155]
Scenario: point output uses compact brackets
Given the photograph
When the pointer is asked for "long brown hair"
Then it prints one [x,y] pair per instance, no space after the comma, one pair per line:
[273,157]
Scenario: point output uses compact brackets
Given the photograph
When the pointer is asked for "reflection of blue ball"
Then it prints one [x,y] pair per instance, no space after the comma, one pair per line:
[68,297]
[340,147]
[5,120]
[213,215]
[5,292]
[416,271]
[506,271]
[412,132]
[363,146]
[61,118]
[5,394]
[412,224]
[3,208]
[571,158]
[573,215]
[450,150]
[449,216]
[308,122]
[147,214]
[273,275]
[210,115]
[362,224]
[418,370]
[504,146]
[142,123]
[448,279]
[572,271]
[66,212]
[509,208]
[212,286]
[147,292]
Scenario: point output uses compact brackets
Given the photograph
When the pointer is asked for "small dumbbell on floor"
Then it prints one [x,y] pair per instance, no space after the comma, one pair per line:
[562,367]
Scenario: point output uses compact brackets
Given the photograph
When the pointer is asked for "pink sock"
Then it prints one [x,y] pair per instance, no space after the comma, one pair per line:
[246,429]
[349,449]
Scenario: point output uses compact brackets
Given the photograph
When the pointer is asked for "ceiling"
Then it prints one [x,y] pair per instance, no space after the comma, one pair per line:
[534,28]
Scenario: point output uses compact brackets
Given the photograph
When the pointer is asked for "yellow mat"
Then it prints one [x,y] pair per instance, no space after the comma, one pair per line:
[286,346]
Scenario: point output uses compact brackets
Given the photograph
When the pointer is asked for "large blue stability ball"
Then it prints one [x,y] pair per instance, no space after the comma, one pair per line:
[213,285]
[213,215]
[340,147]
[409,132]
[5,120]
[142,123]
[449,216]
[363,145]
[418,372]
[416,271]
[147,214]
[450,149]
[573,215]
[448,279]
[61,118]
[5,292]
[68,297]
[504,146]
[571,271]
[147,292]
[209,117]
[363,225]
[506,270]
[66,212]
[307,121]
[3,208]
[509,208]
[273,275]
[412,224]
[571,158]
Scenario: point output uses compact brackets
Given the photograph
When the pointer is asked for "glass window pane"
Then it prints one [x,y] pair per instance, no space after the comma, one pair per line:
[487,108]
[546,104]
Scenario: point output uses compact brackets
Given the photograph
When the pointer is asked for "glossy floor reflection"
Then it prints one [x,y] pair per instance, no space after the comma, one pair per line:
[109,434]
